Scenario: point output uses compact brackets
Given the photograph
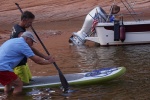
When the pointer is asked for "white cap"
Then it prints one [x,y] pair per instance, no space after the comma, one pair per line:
[29,35]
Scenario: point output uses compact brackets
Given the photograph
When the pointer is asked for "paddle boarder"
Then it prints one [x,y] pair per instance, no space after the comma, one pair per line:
[12,52]
[22,69]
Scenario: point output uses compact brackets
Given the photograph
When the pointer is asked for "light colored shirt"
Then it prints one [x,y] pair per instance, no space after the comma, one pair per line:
[12,52]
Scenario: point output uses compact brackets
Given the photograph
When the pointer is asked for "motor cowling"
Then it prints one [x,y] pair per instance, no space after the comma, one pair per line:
[78,38]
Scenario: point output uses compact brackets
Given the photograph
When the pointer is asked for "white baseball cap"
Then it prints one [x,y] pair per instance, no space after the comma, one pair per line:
[29,35]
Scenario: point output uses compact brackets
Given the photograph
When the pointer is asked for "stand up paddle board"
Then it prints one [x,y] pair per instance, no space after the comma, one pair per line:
[77,79]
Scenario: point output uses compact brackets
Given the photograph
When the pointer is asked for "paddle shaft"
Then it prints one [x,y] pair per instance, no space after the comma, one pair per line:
[62,78]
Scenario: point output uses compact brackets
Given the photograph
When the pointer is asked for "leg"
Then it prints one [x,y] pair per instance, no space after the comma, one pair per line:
[17,86]
[7,89]
[9,79]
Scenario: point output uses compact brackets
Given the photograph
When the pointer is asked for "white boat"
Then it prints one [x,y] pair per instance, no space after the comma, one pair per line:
[135,33]
[116,32]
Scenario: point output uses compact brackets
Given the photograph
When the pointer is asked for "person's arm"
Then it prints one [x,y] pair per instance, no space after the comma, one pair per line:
[36,52]
[42,61]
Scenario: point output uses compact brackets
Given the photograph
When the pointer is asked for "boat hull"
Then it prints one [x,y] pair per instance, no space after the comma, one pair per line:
[135,33]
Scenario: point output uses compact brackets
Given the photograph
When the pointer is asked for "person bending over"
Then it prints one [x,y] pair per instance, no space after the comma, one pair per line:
[12,52]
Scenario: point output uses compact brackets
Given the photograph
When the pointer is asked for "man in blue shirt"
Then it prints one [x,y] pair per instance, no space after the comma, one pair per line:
[11,53]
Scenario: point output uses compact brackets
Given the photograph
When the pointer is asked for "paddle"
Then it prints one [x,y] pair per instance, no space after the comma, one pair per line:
[63,80]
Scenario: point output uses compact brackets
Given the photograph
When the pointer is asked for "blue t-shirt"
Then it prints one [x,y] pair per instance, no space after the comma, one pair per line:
[12,52]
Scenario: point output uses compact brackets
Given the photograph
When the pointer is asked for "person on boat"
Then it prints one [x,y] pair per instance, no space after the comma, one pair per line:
[12,52]
[22,69]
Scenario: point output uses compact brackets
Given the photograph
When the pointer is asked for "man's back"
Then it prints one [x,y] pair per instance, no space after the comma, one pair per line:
[12,52]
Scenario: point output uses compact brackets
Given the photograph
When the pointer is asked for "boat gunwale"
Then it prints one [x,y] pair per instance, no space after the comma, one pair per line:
[125,23]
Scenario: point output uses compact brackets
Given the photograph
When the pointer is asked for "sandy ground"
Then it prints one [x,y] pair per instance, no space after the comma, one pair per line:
[54,10]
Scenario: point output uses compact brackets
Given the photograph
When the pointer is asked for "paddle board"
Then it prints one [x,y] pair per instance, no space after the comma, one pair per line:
[77,79]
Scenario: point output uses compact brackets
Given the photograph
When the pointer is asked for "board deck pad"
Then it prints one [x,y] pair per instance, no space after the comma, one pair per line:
[54,79]
[95,76]
[101,72]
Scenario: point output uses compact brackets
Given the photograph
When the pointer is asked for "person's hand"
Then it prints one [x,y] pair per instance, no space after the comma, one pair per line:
[51,59]
[47,57]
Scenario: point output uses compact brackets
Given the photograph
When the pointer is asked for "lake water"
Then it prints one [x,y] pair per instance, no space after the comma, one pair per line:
[133,85]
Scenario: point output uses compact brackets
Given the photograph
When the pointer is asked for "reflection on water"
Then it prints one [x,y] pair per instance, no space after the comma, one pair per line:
[97,57]
[134,85]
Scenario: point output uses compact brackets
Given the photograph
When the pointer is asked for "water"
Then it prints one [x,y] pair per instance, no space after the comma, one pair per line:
[133,85]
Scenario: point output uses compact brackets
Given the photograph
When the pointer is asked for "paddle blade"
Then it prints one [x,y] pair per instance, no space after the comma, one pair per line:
[63,80]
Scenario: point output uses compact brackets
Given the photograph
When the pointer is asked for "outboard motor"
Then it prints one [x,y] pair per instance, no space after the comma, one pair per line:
[78,38]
